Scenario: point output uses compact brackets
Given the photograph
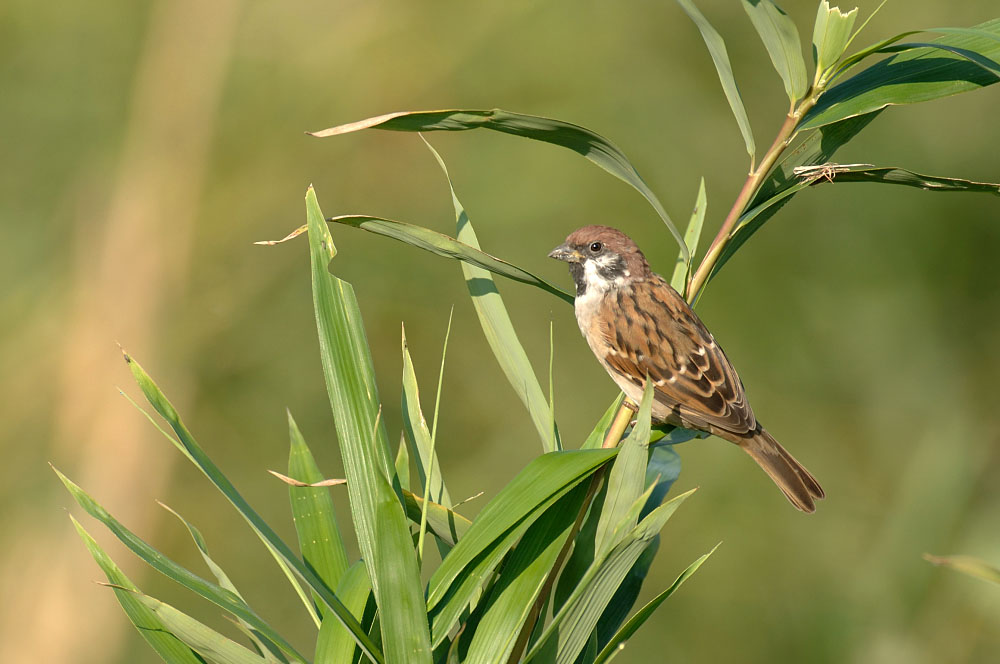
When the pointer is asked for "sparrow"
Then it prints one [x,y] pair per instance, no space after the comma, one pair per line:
[641,329]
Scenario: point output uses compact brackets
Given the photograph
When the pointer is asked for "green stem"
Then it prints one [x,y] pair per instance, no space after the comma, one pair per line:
[750,187]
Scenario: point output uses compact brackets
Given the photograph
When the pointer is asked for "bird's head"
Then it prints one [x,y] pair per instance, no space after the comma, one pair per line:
[601,258]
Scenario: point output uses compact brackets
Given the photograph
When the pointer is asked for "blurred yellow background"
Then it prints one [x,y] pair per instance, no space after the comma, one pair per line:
[147,145]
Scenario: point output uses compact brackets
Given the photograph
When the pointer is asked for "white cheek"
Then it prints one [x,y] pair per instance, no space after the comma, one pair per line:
[595,282]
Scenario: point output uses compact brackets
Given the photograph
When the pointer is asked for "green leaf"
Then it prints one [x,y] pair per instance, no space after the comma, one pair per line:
[499,525]
[214,593]
[499,329]
[596,438]
[521,580]
[617,642]
[626,481]
[915,76]
[415,426]
[570,629]
[781,39]
[427,487]
[199,637]
[447,525]
[584,142]
[831,34]
[319,536]
[334,643]
[270,650]
[382,530]
[403,462]
[968,565]
[448,247]
[193,451]
[166,645]
[682,270]
[892,175]
[720,56]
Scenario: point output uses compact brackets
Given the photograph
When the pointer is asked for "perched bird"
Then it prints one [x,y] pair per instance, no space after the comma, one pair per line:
[638,326]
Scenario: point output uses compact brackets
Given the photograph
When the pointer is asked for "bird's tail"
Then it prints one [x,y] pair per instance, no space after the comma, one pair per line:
[797,483]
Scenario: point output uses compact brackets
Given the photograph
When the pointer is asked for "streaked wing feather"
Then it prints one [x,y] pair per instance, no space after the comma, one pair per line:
[661,336]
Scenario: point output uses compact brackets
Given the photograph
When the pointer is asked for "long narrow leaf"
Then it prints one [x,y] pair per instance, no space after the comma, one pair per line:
[617,642]
[334,643]
[912,77]
[270,650]
[572,626]
[419,434]
[720,56]
[499,329]
[682,270]
[201,638]
[151,628]
[193,451]
[446,525]
[584,142]
[499,525]
[319,536]
[448,247]
[781,39]
[522,578]
[381,526]
[626,481]
[210,591]
[892,175]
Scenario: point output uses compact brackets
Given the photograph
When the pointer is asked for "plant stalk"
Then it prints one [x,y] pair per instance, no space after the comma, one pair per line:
[750,187]
[611,439]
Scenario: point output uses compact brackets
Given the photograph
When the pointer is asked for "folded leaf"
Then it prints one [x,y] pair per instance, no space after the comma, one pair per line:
[590,145]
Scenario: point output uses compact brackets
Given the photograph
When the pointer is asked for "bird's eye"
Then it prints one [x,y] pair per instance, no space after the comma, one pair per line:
[596,247]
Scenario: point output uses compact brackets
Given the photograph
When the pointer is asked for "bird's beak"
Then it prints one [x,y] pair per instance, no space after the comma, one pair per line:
[564,252]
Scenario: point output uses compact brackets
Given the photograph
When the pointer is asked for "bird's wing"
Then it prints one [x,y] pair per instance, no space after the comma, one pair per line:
[650,330]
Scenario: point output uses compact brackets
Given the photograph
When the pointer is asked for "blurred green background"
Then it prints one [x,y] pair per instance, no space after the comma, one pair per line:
[147,145]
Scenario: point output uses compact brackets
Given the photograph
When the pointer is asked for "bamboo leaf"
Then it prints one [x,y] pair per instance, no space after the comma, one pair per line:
[193,452]
[382,530]
[521,580]
[199,637]
[831,34]
[447,525]
[597,435]
[571,628]
[499,525]
[581,140]
[781,39]
[499,329]
[319,535]
[617,642]
[682,270]
[334,643]
[892,175]
[720,56]
[415,426]
[166,645]
[626,481]
[914,76]
[447,247]
[214,593]
[403,463]
[270,651]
